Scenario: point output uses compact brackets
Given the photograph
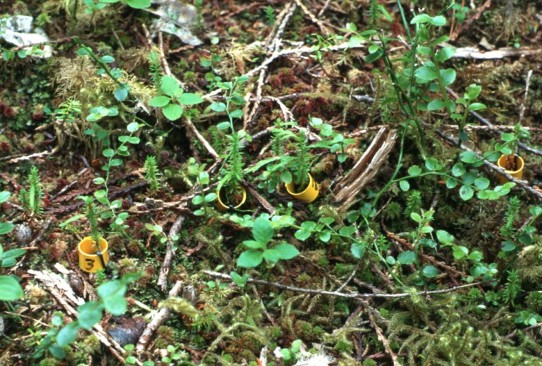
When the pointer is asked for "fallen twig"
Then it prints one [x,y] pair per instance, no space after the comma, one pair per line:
[313,18]
[383,339]
[17,159]
[473,52]
[161,316]
[350,295]
[170,251]
[210,149]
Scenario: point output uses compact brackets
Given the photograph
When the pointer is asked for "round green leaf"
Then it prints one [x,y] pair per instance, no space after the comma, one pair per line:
[430,271]
[466,193]
[90,313]
[469,157]
[287,251]
[68,334]
[448,76]
[405,186]
[250,259]
[262,231]
[407,257]
[108,153]
[445,53]
[414,171]
[197,200]
[132,127]
[121,94]
[189,99]
[139,4]
[432,164]
[222,126]
[169,85]
[10,289]
[438,21]
[358,250]
[481,183]
[458,170]
[4,196]
[159,101]
[6,227]
[218,107]
[435,105]
[451,183]
[172,111]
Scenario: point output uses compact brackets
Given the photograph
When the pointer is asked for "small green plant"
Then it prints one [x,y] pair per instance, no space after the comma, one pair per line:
[464,174]
[114,159]
[155,68]
[173,100]
[469,104]
[291,354]
[462,253]
[158,231]
[202,199]
[270,15]
[5,227]
[151,174]
[510,140]
[47,343]
[231,171]
[10,289]
[332,140]
[528,318]
[260,249]
[175,356]
[92,217]
[123,89]
[32,197]
[110,298]
[68,111]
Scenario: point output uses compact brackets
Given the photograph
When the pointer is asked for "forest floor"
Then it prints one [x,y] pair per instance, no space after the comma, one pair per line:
[132,120]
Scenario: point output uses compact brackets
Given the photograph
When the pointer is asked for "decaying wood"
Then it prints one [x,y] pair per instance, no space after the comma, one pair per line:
[170,251]
[160,316]
[347,189]
[60,289]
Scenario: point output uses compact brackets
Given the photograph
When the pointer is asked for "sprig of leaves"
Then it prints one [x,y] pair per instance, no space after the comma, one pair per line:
[260,249]
[173,100]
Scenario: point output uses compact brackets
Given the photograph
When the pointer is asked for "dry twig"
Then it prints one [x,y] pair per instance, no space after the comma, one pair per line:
[160,316]
[349,295]
[170,251]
